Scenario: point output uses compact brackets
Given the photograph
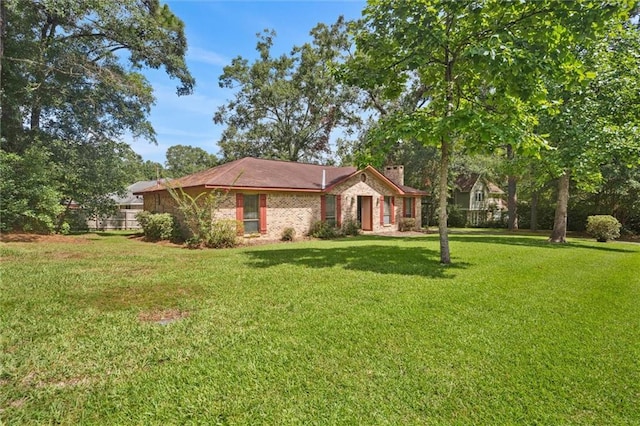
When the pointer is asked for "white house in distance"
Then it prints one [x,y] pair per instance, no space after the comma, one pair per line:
[481,199]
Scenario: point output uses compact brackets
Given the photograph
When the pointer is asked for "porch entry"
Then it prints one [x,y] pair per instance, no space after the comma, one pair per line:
[365,212]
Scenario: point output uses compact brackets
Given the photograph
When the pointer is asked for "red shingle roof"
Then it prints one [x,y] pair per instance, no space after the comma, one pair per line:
[257,173]
[251,172]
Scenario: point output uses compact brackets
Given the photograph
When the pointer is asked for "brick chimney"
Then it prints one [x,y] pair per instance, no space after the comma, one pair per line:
[395,174]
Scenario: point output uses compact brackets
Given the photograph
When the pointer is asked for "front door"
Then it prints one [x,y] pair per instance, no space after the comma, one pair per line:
[365,212]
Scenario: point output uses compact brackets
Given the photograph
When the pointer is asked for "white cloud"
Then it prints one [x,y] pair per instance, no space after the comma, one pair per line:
[200,104]
[198,54]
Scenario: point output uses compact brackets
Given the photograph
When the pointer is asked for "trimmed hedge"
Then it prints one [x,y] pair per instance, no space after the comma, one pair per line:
[156,226]
[603,227]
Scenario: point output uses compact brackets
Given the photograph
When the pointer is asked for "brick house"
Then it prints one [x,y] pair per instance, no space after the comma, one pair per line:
[268,196]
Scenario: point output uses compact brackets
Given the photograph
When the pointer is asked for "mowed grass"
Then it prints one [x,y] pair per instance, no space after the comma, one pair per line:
[366,330]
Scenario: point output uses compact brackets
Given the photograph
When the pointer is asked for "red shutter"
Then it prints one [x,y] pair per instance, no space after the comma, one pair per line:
[240,212]
[263,213]
[339,210]
[415,201]
[323,208]
[393,210]
[404,208]
[382,210]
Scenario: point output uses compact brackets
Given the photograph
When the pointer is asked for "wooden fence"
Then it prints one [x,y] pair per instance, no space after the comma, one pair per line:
[124,219]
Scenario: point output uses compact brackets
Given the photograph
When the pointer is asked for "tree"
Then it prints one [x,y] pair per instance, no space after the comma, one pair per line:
[479,64]
[598,122]
[70,84]
[286,107]
[184,160]
[138,169]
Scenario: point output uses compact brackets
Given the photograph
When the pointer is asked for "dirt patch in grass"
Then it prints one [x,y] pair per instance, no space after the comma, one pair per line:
[162,316]
[17,403]
[124,297]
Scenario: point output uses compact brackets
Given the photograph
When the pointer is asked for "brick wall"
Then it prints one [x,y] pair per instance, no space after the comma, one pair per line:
[354,187]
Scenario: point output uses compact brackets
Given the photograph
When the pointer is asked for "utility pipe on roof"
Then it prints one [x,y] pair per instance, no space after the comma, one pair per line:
[324,179]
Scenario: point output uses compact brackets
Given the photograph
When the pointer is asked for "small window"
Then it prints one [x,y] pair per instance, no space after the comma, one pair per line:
[330,215]
[479,196]
[251,218]
[387,210]
[408,207]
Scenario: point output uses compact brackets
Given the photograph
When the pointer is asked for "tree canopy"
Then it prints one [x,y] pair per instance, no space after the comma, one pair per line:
[287,107]
[597,121]
[184,160]
[479,64]
[71,87]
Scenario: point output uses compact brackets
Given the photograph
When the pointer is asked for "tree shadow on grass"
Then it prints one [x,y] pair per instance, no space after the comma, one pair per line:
[381,259]
[532,241]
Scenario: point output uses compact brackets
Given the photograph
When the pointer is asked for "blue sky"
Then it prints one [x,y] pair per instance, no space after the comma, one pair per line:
[218,31]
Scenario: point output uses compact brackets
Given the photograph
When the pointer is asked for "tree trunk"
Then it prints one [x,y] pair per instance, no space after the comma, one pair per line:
[46,35]
[2,32]
[512,197]
[534,211]
[443,192]
[559,234]
[443,187]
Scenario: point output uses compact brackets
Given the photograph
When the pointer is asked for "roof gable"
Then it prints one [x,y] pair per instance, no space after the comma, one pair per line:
[465,183]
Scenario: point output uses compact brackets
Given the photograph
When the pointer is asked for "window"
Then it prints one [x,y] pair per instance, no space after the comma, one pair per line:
[388,207]
[408,207]
[330,208]
[250,218]
[479,196]
[330,212]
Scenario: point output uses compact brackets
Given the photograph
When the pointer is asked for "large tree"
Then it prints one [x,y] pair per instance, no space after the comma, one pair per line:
[480,64]
[598,121]
[287,106]
[184,160]
[71,86]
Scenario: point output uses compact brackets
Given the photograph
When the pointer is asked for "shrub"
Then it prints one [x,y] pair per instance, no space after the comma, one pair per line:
[407,224]
[456,217]
[603,227]
[324,230]
[156,226]
[351,227]
[222,234]
[288,234]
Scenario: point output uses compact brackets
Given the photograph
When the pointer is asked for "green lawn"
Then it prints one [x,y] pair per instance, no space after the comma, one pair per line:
[366,330]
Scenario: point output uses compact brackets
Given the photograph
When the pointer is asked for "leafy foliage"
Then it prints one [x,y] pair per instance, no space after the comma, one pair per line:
[603,227]
[30,199]
[286,107]
[323,230]
[288,234]
[184,160]
[197,215]
[156,226]
[71,86]
[407,224]
[222,234]
[597,120]
[474,68]
[351,227]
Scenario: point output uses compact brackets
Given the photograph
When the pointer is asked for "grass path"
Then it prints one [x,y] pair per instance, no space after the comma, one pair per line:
[366,330]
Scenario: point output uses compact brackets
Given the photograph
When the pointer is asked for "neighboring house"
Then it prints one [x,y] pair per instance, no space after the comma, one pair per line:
[128,207]
[481,199]
[268,196]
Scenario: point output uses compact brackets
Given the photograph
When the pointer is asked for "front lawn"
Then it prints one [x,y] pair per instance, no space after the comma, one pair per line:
[368,330]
